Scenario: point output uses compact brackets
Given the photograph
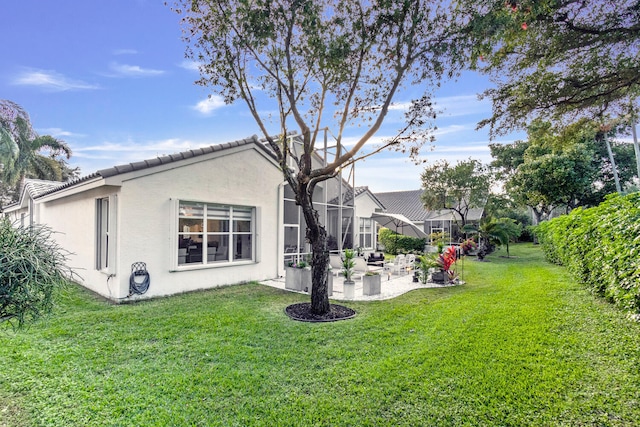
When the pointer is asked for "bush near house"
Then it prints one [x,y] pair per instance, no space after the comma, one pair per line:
[601,247]
[32,268]
[397,243]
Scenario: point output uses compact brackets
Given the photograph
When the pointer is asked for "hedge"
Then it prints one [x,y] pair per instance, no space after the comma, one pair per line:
[601,247]
[398,243]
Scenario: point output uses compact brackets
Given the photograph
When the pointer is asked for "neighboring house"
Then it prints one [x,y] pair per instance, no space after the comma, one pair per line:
[409,204]
[199,219]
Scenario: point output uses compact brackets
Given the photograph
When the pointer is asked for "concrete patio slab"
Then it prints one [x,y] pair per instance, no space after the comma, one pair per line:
[391,287]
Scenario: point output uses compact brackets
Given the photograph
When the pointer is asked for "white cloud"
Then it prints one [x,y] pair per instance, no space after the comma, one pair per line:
[167,146]
[51,80]
[208,105]
[125,52]
[109,154]
[124,70]
[447,130]
[58,133]
[190,65]
[462,105]
[385,173]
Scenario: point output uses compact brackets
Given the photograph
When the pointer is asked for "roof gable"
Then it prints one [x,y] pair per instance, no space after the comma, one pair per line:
[33,188]
[163,160]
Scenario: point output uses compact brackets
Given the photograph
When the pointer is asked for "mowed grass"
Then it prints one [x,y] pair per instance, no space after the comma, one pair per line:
[520,344]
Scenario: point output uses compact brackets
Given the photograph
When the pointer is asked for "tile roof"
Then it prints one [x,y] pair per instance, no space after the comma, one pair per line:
[406,203]
[36,187]
[162,160]
[409,204]
[347,196]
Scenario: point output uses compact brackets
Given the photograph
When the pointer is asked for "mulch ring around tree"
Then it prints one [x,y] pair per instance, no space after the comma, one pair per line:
[302,312]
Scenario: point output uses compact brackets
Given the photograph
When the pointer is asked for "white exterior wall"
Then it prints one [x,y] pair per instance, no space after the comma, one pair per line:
[146,230]
[365,206]
[144,215]
[74,222]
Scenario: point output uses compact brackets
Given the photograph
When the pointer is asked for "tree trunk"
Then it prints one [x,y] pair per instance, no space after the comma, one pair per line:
[636,146]
[317,237]
[613,165]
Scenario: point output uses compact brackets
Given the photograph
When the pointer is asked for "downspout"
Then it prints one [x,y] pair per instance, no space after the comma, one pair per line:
[280,231]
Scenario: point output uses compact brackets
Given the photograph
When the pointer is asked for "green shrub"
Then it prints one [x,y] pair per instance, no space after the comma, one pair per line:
[32,268]
[397,243]
[601,247]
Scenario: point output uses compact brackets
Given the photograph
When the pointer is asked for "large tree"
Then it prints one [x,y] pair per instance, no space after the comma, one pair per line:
[581,152]
[556,58]
[457,188]
[544,182]
[321,64]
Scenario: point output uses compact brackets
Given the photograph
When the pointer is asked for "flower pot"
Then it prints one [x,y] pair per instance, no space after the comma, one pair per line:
[439,276]
[371,285]
[349,289]
[297,279]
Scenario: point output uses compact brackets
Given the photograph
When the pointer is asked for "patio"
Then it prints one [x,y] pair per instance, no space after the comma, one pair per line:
[392,285]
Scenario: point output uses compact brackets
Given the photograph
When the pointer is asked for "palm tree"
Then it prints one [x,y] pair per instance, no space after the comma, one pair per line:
[491,232]
[25,154]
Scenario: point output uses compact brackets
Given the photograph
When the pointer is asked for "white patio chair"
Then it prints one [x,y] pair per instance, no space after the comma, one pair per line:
[361,268]
[398,265]
[410,261]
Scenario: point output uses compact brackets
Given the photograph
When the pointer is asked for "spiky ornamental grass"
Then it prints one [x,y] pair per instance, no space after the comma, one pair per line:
[32,267]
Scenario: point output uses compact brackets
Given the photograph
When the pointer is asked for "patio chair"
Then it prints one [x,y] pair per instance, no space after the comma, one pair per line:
[397,266]
[410,261]
[361,268]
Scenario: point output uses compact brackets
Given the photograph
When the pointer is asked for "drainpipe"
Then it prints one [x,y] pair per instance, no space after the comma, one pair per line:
[280,231]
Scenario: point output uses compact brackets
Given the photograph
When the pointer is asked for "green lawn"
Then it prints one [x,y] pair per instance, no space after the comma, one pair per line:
[520,344]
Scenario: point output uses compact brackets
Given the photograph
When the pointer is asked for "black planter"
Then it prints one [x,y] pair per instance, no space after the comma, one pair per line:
[439,277]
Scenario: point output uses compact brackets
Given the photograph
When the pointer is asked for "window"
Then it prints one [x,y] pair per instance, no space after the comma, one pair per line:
[211,234]
[102,233]
[366,240]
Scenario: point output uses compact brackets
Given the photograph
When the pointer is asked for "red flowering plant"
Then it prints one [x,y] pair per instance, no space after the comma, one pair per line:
[468,245]
[446,261]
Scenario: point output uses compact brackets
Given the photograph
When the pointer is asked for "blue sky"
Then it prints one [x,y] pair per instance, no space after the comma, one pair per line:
[110,79]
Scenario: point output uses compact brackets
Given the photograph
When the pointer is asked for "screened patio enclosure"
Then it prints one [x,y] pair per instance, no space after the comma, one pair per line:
[338,220]
[335,205]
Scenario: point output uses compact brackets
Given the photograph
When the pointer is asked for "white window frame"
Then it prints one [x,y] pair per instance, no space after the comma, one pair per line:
[106,234]
[364,224]
[205,263]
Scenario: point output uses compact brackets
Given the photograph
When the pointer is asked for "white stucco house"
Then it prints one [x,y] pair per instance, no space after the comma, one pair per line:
[198,219]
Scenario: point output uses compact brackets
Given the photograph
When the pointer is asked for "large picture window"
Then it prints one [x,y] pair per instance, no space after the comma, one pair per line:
[366,233]
[211,233]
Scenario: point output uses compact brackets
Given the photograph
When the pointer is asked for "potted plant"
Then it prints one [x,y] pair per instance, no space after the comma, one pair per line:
[424,265]
[444,273]
[371,283]
[347,271]
[298,276]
